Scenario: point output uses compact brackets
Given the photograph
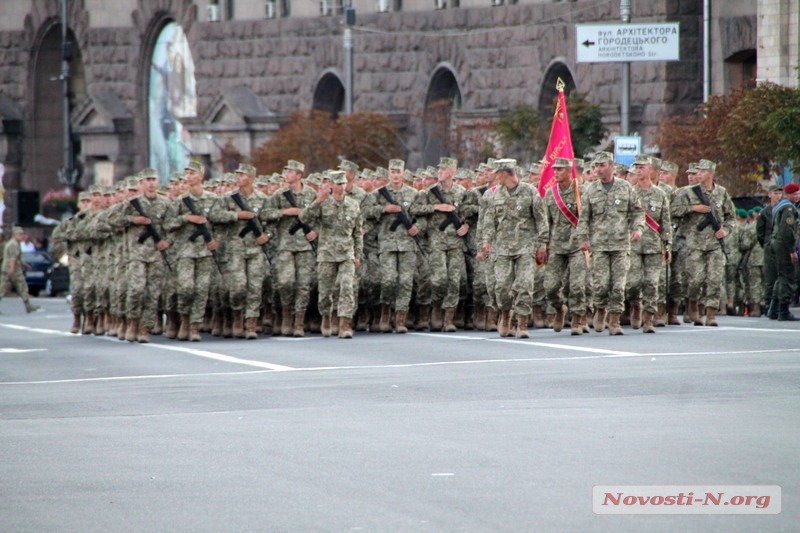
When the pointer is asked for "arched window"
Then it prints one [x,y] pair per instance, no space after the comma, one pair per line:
[329,95]
[549,91]
[444,96]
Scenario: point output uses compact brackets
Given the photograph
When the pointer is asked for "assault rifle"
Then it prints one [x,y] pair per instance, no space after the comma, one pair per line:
[710,218]
[253,225]
[401,218]
[149,230]
[292,199]
[202,229]
[451,218]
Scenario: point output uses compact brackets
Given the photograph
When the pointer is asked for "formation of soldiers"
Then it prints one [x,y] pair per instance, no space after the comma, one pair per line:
[437,249]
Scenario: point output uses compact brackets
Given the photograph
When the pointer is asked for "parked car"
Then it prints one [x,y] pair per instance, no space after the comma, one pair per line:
[45,273]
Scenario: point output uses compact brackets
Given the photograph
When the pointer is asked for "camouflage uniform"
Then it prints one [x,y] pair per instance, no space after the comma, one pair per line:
[13,253]
[752,267]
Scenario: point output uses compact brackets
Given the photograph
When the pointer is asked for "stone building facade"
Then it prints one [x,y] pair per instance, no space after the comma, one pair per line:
[250,72]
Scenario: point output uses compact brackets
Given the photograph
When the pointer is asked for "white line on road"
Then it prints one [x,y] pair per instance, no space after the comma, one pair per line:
[130,378]
[526,343]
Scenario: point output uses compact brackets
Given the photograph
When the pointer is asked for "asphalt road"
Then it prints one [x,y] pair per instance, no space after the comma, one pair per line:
[461,432]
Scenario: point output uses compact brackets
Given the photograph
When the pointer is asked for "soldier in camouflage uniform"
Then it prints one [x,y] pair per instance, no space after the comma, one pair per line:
[65,233]
[666,182]
[337,218]
[652,251]
[611,217]
[359,195]
[447,245]
[12,276]
[565,273]
[295,261]
[483,181]
[705,258]
[398,252]
[516,229]
[752,266]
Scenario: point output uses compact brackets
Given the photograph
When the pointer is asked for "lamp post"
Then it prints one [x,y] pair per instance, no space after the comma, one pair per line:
[349,22]
[66,174]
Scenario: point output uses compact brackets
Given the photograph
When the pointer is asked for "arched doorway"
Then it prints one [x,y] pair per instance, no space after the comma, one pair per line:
[45,155]
[549,92]
[329,95]
[444,96]
[171,97]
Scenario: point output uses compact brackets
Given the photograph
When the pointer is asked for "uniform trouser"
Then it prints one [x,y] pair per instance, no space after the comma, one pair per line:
[102,296]
[245,280]
[336,281]
[754,284]
[369,289]
[422,280]
[447,269]
[194,279]
[609,271]
[143,294]
[539,294]
[677,274]
[733,283]
[565,274]
[642,282]
[770,273]
[514,274]
[296,276]
[76,288]
[704,276]
[118,290]
[479,283]
[785,280]
[17,281]
[88,268]
[491,282]
[397,278]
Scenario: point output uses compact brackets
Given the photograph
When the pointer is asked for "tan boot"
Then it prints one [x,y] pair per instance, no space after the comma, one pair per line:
[362,318]
[143,335]
[76,323]
[691,312]
[298,329]
[266,319]
[113,326]
[216,323]
[538,318]
[701,312]
[335,323]
[558,319]
[423,318]
[585,323]
[385,325]
[672,314]
[522,327]
[660,319]
[227,323]
[251,327]
[491,319]
[131,331]
[480,317]
[194,332]
[636,316]
[711,318]
[238,324]
[548,319]
[400,322]
[648,326]
[183,332]
[449,322]
[171,328]
[469,318]
[99,323]
[614,326]
[287,317]
[459,317]
[345,328]
[277,320]
[325,328]
[437,318]
[756,311]
[504,323]
[576,326]
[158,326]
[88,324]
[599,320]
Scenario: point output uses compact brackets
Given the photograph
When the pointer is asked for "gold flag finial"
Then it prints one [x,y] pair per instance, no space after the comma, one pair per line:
[560,85]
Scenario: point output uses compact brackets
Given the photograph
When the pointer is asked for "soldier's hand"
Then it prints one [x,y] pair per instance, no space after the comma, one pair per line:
[541,256]
[463,230]
[668,256]
[391,208]
[635,236]
[311,235]
[141,221]
[213,245]
[700,208]
[357,262]
[262,239]
[720,233]
[245,215]
[444,208]
[196,219]
[413,231]
[585,246]
[793,258]
[162,245]
[291,212]
[482,255]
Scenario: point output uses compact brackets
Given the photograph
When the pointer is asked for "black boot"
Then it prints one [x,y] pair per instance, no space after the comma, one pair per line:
[785,315]
[772,312]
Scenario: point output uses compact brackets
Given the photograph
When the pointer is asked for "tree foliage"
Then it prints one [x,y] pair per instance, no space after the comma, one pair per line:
[585,123]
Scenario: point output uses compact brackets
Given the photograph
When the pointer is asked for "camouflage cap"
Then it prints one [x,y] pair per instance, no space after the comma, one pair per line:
[261,180]
[147,173]
[603,157]
[643,159]
[670,167]
[483,167]
[692,169]
[562,162]
[397,164]
[83,196]
[108,191]
[178,176]
[490,161]
[294,165]
[244,168]
[380,173]
[348,166]
[16,230]
[366,174]
[338,177]
[578,164]
[505,165]
[95,189]
[429,172]
[620,168]
[196,166]
[774,188]
[448,162]
[275,178]
[705,164]
[132,183]
[408,176]
[656,162]
[315,178]
[535,168]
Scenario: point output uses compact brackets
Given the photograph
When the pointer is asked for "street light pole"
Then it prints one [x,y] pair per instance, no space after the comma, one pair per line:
[625,100]
[349,22]
[67,173]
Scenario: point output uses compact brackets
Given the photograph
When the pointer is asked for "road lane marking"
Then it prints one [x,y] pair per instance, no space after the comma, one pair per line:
[526,343]
[18,350]
[132,378]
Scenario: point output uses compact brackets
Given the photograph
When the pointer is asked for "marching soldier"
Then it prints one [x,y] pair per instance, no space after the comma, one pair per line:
[13,266]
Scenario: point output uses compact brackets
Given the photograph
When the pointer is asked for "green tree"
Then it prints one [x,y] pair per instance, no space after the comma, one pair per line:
[523,133]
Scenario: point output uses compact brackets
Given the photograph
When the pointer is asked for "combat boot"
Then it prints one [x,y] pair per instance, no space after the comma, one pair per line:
[538,318]
[114,326]
[522,327]
[158,327]
[362,318]
[647,326]
[183,331]
[614,326]
[636,316]
[194,332]
[277,320]
[576,326]
[548,320]
[216,324]
[672,314]
[504,323]
[599,319]
[286,321]
[785,315]
[122,329]
[400,322]
[31,308]
[449,325]
[238,324]
[691,312]
[480,317]
[325,328]
[251,326]
[711,319]
[227,323]
[585,323]
[459,318]
[423,318]
[345,328]
[76,323]
[266,320]
[661,312]
[701,312]
[334,323]
[756,311]
[99,323]
[772,311]
[171,327]
[88,323]
[558,319]
[132,328]
[491,319]
[143,335]
[375,318]
[437,320]
[385,325]
[205,327]
[299,325]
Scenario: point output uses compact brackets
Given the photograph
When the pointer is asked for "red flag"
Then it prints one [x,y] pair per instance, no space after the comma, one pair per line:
[560,144]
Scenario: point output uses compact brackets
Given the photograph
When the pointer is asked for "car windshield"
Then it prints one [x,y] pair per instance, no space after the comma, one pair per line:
[36,258]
